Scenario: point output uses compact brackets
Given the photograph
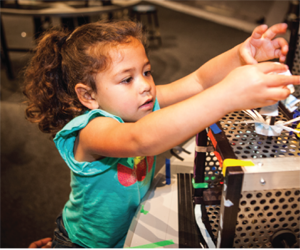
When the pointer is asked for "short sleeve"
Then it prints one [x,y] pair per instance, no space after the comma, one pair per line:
[65,139]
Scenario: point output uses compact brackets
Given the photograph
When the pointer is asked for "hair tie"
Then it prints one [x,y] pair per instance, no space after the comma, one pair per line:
[63,41]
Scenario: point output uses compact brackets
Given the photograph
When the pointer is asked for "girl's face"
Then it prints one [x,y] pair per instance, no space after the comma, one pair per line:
[126,88]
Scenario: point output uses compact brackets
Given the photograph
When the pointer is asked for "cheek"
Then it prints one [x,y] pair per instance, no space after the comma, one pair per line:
[126,99]
[120,102]
[154,90]
[127,105]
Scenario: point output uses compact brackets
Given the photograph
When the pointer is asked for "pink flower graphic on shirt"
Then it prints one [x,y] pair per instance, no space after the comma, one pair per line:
[150,160]
[128,176]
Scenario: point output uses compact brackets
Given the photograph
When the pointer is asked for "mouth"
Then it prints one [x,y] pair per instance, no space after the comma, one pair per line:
[148,104]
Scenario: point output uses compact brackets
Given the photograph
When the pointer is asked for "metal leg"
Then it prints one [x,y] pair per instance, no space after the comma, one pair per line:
[157,28]
[83,20]
[293,43]
[5,54]
[38,27]
[149,19]
[68,23]
[200,159]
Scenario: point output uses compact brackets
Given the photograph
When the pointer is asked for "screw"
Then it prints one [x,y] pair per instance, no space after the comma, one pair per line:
[262,181]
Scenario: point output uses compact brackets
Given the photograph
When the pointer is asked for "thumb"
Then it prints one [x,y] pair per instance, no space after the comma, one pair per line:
[246,55]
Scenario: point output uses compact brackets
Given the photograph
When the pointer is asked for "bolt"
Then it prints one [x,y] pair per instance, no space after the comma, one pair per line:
[262,181]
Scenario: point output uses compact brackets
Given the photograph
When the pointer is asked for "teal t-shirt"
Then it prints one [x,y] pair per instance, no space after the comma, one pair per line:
[105,193]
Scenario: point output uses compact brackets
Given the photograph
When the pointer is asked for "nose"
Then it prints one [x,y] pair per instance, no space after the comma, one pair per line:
[145,85]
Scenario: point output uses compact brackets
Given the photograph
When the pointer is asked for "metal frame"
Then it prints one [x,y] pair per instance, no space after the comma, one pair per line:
[240,142]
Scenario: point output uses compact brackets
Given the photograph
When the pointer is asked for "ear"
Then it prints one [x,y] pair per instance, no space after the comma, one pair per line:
[86,96]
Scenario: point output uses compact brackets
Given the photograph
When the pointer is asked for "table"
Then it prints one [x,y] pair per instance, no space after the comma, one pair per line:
[38,9]
[66,10]
[160,224]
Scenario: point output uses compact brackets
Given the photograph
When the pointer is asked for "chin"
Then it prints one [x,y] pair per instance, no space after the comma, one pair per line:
[135,119]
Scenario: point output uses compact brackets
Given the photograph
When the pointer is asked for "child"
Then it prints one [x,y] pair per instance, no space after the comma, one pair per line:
[93,90]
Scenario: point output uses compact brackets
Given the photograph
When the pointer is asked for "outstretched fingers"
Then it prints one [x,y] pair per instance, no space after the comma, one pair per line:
[281,48]
[262,45]
[271,67]
[274,30]
[278,93]
[259,31]
[282,80]
[262,31]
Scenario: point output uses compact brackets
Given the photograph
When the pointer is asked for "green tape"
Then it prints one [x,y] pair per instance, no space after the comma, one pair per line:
[143,211]
[199,185]
[157,244]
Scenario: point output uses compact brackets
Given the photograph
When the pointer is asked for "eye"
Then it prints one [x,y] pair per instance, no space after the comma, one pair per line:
[127,80]
[148,73]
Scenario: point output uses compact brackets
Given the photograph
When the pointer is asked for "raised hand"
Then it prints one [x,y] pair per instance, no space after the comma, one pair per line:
[263,45]
[253,86]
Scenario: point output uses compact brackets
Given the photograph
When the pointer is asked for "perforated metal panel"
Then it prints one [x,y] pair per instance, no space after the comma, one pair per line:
[296,68]
[214,178]
[296,64]
[297,91]
[246,143]
[213,213]
[262,213]
[213,171]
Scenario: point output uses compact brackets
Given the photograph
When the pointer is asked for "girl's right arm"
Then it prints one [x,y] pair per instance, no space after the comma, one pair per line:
[262,45]
[170,126]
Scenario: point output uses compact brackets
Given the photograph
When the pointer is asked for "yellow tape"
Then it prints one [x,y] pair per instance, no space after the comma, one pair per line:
[298,128]
[235,163]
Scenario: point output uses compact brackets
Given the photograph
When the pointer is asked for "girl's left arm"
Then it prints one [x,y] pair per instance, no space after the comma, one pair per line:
[260,46]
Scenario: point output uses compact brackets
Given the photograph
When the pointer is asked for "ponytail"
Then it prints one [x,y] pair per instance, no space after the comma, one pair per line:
[49,101]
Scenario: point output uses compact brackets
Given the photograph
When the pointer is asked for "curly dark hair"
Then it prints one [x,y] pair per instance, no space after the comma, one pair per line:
[61,61]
